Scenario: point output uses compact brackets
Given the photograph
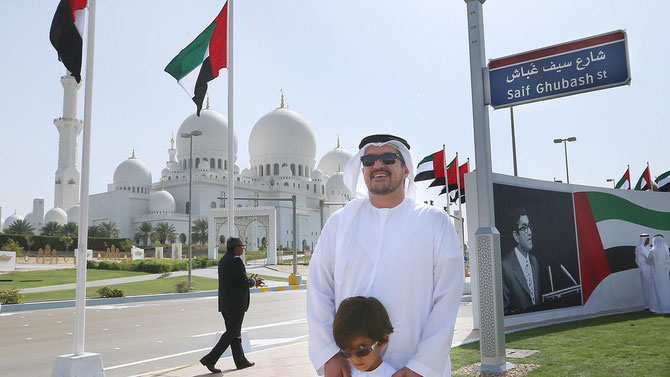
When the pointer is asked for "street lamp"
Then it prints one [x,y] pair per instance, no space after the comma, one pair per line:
[190,204]
[565,145]
[613,182]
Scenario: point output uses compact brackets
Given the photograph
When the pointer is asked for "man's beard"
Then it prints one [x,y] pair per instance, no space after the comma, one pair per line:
[387,188]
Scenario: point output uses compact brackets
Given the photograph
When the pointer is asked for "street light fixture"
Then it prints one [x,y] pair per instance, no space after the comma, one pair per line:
[565,145]
[613,182]
[190,204]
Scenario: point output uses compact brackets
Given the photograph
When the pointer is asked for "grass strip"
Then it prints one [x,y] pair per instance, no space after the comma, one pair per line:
[157,286]
[32,279]
[632,344]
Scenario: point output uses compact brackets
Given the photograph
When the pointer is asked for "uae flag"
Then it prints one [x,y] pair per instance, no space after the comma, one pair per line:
[66,34]
[451,176]
[624,182]
[644,183]
[201,60]
[432,166]
[663,181]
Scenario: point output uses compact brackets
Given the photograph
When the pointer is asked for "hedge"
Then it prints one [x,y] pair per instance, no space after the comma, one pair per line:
[40,242]
[154,266]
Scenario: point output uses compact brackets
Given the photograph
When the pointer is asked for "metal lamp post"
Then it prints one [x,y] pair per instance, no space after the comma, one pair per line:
[613,182]
[565,146]
[190,204]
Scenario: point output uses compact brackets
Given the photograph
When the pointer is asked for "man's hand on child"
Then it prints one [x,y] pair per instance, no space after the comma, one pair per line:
[406,372]
[337,367]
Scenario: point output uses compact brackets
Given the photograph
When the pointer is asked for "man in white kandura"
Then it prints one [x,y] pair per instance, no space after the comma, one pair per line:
[385,245]
[646,269]
[660,259]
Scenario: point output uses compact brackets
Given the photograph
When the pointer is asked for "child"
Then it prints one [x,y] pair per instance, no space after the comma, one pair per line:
[361,329]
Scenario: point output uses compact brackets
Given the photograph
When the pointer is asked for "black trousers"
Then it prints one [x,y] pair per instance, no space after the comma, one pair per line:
[232,338]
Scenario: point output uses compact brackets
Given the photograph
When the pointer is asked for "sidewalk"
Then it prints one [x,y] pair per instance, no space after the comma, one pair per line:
[293,360]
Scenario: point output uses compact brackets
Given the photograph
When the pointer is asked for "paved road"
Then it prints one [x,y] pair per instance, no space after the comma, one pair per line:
[141,337]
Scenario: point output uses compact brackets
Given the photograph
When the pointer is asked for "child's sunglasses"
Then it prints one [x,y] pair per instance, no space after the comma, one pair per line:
[361,352]
[387,159]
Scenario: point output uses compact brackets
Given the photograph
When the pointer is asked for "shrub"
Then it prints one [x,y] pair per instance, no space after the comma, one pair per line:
[182,286]
[10,296]
[13,245]
[110,292]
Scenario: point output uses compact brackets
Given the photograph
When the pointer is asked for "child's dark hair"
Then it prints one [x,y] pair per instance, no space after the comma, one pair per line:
[360,316]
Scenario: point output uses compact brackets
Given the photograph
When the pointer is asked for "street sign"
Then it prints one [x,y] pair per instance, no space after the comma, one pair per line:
[579,66]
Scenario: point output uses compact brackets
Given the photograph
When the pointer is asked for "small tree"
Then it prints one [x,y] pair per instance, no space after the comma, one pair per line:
[12,245]
[30,241]
[67,241]
[144,233]
[108,230]
[94,231]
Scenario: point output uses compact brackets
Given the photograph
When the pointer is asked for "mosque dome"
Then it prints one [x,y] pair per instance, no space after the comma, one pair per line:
[132,171]
[165,172]
[336,181]
[214,138]
[10,220]
[334,160]
[57,215]
[282,132]
[162,201]
[317,175]
[73,214]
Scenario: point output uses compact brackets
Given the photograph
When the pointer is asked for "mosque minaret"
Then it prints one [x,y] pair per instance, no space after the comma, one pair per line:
[66,194]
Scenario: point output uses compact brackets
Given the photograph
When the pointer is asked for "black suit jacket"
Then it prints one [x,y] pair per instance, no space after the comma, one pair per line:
[516,294]
[234,284]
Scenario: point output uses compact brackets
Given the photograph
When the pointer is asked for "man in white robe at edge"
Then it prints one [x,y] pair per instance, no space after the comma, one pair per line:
[385,245]
[660,259]
[646,269]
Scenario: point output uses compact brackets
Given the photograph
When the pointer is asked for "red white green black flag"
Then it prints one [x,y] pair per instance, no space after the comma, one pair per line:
[201,61]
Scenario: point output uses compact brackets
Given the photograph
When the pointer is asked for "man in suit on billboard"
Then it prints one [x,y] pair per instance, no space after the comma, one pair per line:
[520,270]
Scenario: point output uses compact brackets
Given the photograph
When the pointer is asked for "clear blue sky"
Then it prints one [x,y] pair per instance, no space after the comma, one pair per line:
[350,67]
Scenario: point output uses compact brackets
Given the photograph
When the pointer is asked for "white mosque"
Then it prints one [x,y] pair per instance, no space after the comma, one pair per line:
[282,150]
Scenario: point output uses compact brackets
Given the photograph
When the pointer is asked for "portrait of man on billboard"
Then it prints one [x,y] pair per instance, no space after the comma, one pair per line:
[540,264]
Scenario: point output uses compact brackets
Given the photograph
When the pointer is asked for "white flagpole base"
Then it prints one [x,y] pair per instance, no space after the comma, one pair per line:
[86,365]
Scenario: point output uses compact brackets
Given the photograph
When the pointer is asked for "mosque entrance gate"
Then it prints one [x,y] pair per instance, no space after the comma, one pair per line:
[244,216]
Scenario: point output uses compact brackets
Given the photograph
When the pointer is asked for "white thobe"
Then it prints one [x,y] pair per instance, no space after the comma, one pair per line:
[646,273]
[383,370]
[408,257]
[660,302]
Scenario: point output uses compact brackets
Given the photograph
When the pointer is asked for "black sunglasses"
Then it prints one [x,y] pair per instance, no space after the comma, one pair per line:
[361,352]
[387,159]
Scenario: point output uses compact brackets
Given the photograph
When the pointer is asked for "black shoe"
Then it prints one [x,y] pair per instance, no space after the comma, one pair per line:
[245,364]
[211,367]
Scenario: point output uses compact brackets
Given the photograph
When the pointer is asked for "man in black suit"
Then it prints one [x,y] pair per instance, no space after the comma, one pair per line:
[520,270]
[234,287]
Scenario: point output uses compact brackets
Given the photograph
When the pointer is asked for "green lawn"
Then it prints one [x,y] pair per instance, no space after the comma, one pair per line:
[634,344]
[31,279]
[163,285]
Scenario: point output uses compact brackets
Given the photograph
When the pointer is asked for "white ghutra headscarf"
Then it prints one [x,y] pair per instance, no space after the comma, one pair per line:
[353,171]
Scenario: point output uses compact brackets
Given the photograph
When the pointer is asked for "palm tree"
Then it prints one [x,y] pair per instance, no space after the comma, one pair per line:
[70,229]
[144,232]
[164,232]
[94,231]
[199,230]
[20,227]
[51,228]
[108,230]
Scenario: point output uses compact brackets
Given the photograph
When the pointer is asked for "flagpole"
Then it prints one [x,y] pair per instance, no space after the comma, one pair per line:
[231,134]
[446,177]
[82,245]
[460,199]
